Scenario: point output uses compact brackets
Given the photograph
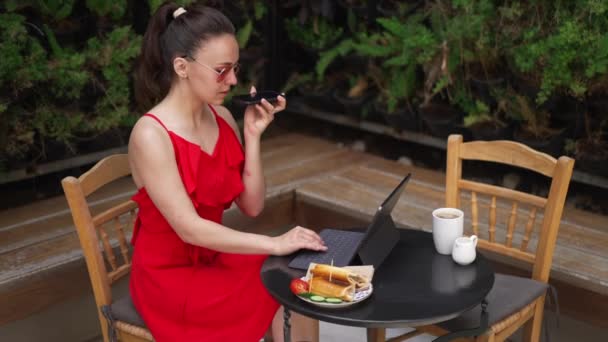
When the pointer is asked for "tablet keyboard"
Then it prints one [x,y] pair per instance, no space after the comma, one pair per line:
[341,248]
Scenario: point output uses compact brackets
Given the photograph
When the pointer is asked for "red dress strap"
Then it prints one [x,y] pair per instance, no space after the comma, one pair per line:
[212,109]
[165,127]
[157,119]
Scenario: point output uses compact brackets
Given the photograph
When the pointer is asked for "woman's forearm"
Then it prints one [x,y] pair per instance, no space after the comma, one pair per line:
[212,235]
[251,200]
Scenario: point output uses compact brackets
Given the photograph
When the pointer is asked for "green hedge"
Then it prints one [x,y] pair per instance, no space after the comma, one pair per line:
[508,63]
[65,73]
[66,70]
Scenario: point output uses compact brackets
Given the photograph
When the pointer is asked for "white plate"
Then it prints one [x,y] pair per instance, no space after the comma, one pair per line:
[360,296]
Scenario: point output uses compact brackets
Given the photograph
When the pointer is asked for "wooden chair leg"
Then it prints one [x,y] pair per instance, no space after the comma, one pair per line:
[487,337]
[376,334]
[533,327]
[126,337]
[104,326]
[405,337]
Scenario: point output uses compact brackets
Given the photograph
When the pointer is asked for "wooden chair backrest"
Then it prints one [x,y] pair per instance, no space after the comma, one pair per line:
[100,233]
[515,154]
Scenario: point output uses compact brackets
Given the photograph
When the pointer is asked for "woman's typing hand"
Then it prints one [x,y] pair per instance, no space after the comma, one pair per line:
[297,238]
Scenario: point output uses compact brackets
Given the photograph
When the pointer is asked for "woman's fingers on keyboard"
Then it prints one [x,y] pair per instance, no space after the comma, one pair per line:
[312,235]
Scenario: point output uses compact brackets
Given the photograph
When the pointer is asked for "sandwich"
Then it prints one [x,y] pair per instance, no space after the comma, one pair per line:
[339,274]
[337,282]
[332,289]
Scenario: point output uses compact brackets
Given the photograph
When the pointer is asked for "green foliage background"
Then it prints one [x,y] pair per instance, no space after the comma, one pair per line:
[524,52]
[66,70]
[65,74]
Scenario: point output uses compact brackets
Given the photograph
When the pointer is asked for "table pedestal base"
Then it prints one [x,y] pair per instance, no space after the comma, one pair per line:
[483,326]
[286,325]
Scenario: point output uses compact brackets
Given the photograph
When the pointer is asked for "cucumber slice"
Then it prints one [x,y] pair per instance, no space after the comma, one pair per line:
[306,295]
[317,298]
[333,300]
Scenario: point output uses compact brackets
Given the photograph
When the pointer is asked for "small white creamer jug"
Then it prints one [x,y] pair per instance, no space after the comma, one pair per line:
[463,252]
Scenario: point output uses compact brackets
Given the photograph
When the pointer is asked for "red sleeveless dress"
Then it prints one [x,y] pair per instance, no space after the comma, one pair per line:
[190,293]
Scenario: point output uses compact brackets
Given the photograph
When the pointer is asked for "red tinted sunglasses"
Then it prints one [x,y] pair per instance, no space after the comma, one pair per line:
[221,73]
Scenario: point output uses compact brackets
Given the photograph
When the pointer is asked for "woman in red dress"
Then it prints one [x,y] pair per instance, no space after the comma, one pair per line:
[192,278]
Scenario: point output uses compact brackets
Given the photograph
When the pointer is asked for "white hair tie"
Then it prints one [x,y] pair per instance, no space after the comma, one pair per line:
[178,12]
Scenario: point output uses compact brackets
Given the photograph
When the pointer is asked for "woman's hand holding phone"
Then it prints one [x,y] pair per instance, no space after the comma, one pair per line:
[256,97]
[260,112]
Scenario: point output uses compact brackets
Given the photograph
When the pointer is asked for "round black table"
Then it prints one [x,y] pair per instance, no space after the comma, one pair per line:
[414,286]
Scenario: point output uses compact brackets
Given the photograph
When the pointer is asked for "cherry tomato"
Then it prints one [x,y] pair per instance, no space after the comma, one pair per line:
[298,286]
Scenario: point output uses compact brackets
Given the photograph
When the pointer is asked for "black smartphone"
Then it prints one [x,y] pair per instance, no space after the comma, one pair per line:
[255,98]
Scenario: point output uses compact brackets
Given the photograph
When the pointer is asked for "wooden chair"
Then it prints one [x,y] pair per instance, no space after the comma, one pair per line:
[513,301]
[106,232]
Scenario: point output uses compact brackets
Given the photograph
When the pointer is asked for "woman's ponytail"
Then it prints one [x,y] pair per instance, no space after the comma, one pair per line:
[152,79]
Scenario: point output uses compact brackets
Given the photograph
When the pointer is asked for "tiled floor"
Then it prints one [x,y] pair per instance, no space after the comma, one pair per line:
[569,330]
[337,333]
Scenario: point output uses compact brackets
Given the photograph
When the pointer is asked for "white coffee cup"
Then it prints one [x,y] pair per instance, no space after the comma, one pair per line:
[464,252]
[447,227]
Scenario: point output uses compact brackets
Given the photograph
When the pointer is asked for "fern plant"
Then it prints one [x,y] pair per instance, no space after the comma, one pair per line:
[247,31]
[397,50]
[343,48]
[532,119]
[111,60]
[569,49]
[58,90]
[315,34]
[56,9]
[22,67]
[402,47]
[477,112]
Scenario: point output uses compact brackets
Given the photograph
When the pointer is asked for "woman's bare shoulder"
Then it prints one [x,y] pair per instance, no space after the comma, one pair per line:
[147,127]
[149,134]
